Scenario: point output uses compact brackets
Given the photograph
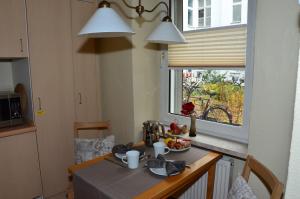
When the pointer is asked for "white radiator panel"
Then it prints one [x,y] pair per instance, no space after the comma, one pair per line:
[221,187]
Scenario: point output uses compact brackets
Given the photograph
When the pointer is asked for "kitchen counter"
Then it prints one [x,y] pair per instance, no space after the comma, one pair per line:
[17,130]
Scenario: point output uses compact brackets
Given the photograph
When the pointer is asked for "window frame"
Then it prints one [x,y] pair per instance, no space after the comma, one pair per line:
[235,133]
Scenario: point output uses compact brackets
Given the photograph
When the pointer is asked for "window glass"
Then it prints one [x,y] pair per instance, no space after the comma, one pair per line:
[237,1]
[208,17]
[190,17]
[218,95]
[201,13]
[201,3]
[201,18]
[208,2]
[190,3]
[237,13]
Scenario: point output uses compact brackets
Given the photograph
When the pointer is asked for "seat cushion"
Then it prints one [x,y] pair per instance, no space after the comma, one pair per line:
[87,149]
[241,190]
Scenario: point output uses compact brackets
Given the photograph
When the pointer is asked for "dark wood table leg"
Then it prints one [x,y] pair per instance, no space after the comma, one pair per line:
[211,181]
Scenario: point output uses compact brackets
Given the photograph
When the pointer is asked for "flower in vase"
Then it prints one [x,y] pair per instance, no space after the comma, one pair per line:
[188,108]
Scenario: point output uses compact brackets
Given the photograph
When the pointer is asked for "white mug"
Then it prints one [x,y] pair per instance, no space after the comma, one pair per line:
[160,148]
[132,159]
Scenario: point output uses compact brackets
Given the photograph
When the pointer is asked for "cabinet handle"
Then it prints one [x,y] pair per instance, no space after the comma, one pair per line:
[80,98]
[21,45]
[40,103]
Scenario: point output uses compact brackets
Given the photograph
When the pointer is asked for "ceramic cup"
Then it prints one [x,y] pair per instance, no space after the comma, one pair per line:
[160,148]
[131,159]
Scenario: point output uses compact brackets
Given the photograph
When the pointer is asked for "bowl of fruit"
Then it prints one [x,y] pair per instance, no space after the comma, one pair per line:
[178,144]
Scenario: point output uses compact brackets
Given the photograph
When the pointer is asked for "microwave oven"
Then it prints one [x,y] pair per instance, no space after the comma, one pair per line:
[10,110]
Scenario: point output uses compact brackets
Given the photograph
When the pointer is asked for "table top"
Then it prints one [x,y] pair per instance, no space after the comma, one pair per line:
[104,179]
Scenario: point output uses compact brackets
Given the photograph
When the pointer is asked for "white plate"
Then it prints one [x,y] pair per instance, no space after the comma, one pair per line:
[179,150]
[161,171]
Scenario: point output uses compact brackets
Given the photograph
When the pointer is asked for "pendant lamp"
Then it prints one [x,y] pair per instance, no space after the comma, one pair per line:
[107,23]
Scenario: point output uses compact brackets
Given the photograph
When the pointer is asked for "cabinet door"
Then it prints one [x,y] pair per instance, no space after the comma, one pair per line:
[19,168]
[13,37]
[49,27]
[86,68]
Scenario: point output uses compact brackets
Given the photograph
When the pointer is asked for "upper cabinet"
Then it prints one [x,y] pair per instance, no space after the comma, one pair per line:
[85,62]
[13,36]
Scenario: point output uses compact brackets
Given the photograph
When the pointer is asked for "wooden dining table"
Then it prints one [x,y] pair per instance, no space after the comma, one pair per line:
[100,178]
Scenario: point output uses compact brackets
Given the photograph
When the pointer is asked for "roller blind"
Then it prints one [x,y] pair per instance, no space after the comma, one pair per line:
[225,47]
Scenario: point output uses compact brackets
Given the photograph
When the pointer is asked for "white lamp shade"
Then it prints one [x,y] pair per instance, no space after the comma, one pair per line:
[106,23]
[166,33]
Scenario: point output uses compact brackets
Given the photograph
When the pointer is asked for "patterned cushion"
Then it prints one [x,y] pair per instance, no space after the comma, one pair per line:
[87,149]
[241,190]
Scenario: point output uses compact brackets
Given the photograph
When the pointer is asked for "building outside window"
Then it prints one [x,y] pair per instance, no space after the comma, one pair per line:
[210,70]
[201,14]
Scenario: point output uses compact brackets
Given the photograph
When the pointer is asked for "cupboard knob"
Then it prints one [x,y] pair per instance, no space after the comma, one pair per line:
[21,45]
[80,98]
[40,103]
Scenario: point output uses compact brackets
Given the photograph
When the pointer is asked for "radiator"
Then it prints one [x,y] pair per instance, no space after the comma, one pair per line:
[221,187]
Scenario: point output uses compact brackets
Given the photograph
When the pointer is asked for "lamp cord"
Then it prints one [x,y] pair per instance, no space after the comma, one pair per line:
[129,6]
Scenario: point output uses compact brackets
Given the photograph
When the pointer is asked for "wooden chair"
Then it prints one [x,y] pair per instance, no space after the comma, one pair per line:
[78,126]
[89,126]
[274,186]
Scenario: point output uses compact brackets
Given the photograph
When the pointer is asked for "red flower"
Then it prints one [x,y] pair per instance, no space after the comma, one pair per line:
[187,108]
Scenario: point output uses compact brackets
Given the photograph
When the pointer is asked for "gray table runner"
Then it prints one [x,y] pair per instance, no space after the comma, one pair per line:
[106,180]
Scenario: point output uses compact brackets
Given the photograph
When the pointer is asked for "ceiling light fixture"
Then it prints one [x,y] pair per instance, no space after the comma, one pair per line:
[107,23]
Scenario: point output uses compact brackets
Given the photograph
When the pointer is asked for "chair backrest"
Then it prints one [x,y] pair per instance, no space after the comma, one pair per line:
[273,185]
[90,126]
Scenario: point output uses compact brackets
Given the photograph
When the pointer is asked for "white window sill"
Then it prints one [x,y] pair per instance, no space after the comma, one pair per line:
[224,146]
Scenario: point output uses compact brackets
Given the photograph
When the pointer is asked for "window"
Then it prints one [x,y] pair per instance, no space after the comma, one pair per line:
[237,11]
[190,17]
[204,13]
[190,12]
[218,95]
[211,71]
[198,14]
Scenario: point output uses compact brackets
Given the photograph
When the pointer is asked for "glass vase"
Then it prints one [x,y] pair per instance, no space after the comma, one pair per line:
[192,132]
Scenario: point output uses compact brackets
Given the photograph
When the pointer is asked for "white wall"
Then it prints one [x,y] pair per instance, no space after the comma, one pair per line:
[130,77]
[146,68]
[292,188]
[6,77]
[275,69]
